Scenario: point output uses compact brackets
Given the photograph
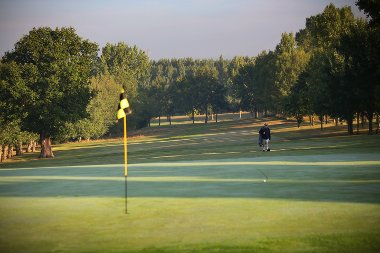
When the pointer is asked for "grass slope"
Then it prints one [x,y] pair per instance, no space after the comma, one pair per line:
[198,188]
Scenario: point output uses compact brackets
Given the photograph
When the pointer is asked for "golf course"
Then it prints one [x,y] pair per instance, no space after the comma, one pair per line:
[198,188]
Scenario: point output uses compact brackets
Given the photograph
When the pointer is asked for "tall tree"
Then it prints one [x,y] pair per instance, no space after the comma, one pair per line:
[372,9]
[361,53]
[246,89]
[330,89]
[129,65]
[289,64]
[101,111]
[61,63]
[297,104]
[324,30]
[264,76]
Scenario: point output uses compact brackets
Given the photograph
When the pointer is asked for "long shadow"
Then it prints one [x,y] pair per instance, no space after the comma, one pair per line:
[305,191]
[307,183]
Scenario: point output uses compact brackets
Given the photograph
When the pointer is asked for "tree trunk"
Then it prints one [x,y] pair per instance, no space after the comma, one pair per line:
[299,120]
[240,114]
[350,127]
[377,123]
[363,120]
[256,112]
[170,120]
[159,120]
[34,145]
[311,120]
[1,153]
[370,119]
[206,118]
[19,150]
[46,149]
[29,147]
[357,122]
[326,119]
[4,153]
[216,117]
[321,121]
[193,116]
[10,151]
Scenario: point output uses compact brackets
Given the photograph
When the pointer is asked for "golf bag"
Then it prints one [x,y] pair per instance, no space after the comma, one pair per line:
[260,140]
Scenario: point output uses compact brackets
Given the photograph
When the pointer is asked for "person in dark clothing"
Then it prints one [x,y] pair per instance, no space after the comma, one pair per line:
[265,137]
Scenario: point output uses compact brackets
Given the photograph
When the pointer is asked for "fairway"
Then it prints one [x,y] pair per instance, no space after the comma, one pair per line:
[198,188]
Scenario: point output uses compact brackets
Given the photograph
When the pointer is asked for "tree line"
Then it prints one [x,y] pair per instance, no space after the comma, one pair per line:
[56,86]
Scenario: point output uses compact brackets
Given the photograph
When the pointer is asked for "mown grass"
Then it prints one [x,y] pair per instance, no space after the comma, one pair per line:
[198,188]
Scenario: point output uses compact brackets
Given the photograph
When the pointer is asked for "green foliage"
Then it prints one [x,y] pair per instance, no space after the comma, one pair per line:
[298,103]
[246,88]
[264,81]
[128,65]
[342,74]
[101,108]
[14,92]
[58,65]
[101,111]
[290,62]
[372,9]
[10,133]
[325,30]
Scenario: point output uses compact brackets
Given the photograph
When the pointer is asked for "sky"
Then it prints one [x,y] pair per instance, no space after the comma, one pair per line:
[167,28]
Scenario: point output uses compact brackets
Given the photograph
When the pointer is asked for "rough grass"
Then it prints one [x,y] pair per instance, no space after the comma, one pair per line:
[198,188]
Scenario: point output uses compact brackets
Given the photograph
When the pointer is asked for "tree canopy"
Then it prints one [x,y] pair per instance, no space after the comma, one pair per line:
[57,66]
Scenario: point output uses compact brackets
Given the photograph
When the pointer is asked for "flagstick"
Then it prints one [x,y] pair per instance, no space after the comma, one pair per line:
[125,163]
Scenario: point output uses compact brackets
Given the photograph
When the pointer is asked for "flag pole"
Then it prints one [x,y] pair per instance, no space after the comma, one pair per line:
[122,113]
[125,163]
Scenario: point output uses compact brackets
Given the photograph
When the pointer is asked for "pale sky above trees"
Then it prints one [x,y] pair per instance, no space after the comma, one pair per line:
[167,28]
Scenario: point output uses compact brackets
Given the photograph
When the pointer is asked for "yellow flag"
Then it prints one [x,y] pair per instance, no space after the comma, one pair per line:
[123,104]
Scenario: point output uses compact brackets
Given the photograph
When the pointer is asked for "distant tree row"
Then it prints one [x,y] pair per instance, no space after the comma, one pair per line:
[55,86]
[329,68]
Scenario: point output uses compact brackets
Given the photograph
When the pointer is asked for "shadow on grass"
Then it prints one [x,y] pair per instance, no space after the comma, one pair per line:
[358,184]
[336,192]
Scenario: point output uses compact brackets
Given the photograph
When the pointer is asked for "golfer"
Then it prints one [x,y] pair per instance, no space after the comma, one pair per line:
[265,137]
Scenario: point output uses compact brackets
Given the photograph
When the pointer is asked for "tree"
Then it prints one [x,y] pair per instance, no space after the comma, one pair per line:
[330,90]
[128,65]
[13,92]
[289,63]
[100,111]
[206,86]
[361,53]
[297,104]
[325,30]
[264,74]
[246,88]
[59,63]
[372,9]
[101,108]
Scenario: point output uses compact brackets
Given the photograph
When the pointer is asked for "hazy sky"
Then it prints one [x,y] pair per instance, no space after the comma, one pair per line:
[167,28]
